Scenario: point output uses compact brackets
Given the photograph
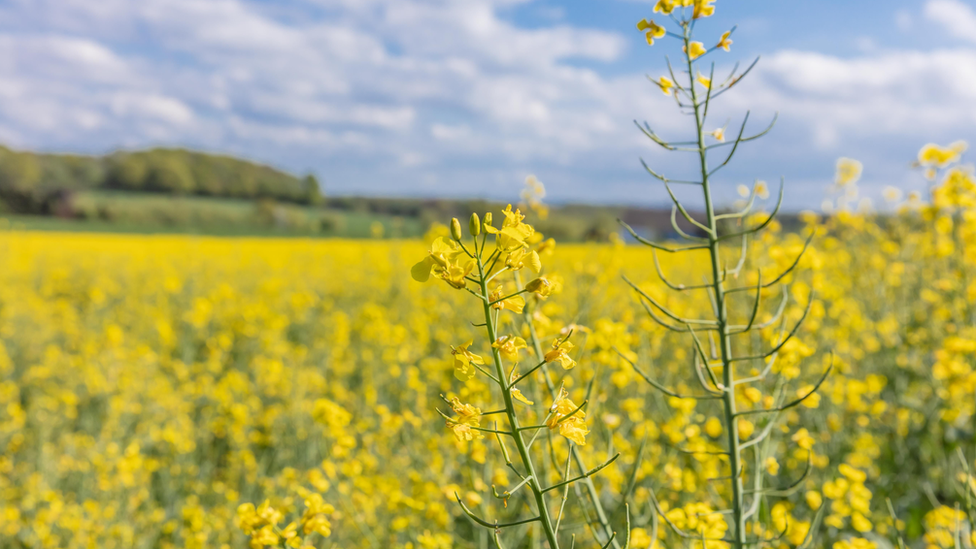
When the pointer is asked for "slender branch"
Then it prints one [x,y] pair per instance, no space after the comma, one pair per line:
[657,246]
[486,523]
[783,342]
[587,474]
[665,179]
[755,307]
[665,310]
[796,402]
[660,387]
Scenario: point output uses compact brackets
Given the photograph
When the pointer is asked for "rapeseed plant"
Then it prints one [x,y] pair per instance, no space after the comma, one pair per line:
[476,268]
[716,367]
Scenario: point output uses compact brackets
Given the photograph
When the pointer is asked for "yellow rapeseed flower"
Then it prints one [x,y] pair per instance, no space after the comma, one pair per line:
[509,346]
[464,361]
[541,287]
[665,6]
[703,8]
[515,303]
[848,171]
[665,84]
[516,393]
[695,50]
[704,80]
[725,42]
[559,353]
[651,30]
[933,155]
[571,427]
[467,417]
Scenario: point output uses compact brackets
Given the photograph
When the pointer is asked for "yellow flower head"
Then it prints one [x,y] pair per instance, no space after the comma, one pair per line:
[509,346]
[444,260]
[852,474]
[665,6]
[467,417]
[666,85]
[651,30]
[559,353]
[704,80]
[522,257]
[513,234]
[542,287]
[724,42]
[516,393]
[803,439]
[455,274]
[814,499]
[848,171]
[719,135]
[935,156]
[464,361]
[571,427]
[703,8]
[514,303]
[762,190]
[696,50]
[314,519]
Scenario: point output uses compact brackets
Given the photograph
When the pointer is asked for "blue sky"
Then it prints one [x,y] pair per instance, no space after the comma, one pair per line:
[465,98]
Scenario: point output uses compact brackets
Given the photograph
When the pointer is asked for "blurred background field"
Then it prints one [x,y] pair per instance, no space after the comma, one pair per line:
[153,383]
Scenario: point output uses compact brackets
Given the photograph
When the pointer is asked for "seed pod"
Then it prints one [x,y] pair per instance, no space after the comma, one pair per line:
[474,225]
[455,229]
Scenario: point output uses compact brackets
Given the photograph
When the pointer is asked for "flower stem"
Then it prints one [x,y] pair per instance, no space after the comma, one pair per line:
[722,317]
[540,498]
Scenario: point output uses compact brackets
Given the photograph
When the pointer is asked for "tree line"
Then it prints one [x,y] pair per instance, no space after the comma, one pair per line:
[28,180]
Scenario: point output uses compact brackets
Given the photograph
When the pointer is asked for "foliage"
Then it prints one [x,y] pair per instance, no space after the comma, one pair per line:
[32,183]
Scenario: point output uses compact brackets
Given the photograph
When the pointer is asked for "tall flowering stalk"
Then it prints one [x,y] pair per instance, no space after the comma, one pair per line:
[480,268]
[715,368]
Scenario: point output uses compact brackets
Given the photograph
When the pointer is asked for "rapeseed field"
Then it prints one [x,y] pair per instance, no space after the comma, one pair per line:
[738,386]
[157,390]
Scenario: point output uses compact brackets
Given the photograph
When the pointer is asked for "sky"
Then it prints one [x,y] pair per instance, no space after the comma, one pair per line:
[465,98]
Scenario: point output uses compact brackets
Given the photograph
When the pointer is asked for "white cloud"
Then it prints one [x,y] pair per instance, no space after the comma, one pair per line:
[421,93]
[900,92]
[957,17]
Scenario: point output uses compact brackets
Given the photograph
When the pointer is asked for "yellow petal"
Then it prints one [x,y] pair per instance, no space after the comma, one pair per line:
[421,271]
[517,395]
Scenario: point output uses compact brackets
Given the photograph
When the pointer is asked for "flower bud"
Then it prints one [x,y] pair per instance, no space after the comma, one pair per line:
[474,225]
[455,229]
[541,287]
[488,219]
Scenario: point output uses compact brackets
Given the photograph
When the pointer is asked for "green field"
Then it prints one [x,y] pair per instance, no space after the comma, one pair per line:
[136,212]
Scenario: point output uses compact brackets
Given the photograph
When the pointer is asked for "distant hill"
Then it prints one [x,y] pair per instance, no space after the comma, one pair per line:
[34,183]
[186,191]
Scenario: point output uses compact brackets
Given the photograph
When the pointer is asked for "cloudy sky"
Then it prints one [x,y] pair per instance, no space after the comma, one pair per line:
[467,97]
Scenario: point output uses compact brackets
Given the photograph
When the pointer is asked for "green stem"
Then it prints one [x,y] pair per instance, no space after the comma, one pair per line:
[588,481]
[540,498]
[725,339]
